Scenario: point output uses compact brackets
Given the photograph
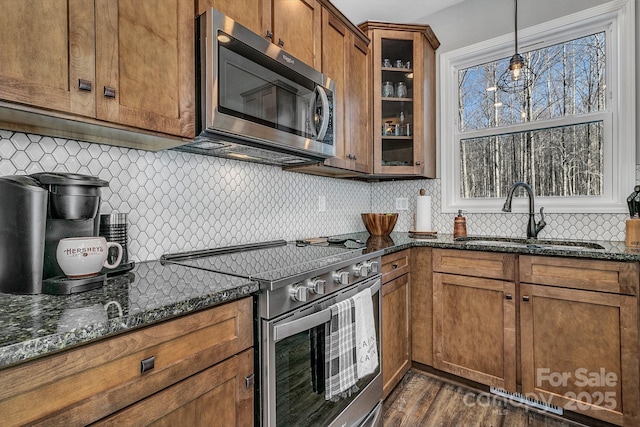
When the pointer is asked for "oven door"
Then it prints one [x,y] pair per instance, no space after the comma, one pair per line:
[293,369]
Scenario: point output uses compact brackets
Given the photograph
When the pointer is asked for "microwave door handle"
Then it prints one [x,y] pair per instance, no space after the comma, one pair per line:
[285,330]
[325,112]
[294,327]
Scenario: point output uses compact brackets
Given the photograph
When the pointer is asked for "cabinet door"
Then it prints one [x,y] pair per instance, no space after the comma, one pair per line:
[245,12]
[335,46]
[145,64]
[396,332]
[358,107]
[46,49]
[218,396]
[345,60]
[295,25]
[421,306]
[579,351]
[474,329]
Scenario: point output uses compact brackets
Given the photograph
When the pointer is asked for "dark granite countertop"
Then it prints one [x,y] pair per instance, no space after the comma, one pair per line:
[613,251]
[36,325]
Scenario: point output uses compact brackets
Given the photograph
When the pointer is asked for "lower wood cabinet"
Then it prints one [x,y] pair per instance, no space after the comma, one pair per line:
[421,306]
[200,362]
[562,331]
[474,330]
[217,396]
[396,319]
[579,347]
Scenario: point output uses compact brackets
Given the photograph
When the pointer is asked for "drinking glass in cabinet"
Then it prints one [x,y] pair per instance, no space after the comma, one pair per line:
[387,89]
[401,90]
[386,63]
[399,64]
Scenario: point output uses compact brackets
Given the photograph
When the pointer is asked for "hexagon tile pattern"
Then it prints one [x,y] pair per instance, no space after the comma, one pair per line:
[181,202]
[559,226]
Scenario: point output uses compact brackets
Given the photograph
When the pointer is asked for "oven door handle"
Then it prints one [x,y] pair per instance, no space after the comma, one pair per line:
[286,330]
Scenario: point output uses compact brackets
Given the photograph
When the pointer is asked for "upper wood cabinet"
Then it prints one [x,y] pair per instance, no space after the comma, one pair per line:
[345,59]
[403,92]
[127,65]
[47,52]
[294,25]
[145,64]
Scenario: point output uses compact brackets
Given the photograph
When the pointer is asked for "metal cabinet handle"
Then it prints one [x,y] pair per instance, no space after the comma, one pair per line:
[269,35]
[280,42]
[525,298]
[418,163]
[394,265]
[249,381]
[509,296]
[84,85]
[109,92]
[147,364]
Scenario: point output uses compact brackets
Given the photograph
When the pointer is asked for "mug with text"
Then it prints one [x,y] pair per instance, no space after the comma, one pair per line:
[80,257]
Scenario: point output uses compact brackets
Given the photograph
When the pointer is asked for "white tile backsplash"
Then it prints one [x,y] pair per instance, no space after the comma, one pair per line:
[179,201]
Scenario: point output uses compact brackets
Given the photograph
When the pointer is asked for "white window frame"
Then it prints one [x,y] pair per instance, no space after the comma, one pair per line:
[617,19]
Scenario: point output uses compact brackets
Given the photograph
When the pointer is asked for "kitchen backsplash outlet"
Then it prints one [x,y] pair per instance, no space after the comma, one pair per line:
[180,201]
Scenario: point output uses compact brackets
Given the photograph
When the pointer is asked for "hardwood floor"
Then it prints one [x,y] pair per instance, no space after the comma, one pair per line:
[421,400]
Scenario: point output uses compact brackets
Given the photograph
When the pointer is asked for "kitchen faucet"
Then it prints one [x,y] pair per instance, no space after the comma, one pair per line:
[532,228]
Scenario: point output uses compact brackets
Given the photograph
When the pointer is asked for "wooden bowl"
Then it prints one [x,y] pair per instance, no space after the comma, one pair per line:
[379,224]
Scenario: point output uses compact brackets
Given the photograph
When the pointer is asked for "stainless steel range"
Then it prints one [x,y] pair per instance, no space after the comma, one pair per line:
[299,282]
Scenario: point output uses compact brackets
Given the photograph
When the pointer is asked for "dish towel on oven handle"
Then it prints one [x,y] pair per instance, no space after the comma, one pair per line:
[340,352]
[367,348]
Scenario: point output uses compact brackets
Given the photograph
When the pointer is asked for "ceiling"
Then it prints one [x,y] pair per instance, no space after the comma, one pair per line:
[398,11]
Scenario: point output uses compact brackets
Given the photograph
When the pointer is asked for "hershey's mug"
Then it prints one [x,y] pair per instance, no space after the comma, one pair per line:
[85,256]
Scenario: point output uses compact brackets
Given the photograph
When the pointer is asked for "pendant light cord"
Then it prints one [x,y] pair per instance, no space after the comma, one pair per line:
[516,24]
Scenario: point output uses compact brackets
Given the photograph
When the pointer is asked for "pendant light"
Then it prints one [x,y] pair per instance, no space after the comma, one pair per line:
[518,75]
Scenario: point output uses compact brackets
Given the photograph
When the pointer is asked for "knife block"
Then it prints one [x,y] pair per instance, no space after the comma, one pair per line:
[633,233]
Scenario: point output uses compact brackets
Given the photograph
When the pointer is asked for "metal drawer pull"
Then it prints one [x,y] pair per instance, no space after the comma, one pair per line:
[509,296]
[109,92]
[394,265]
[280,42]
[269,35]
[147,364]
[249,381]
[525,298]
[84,85]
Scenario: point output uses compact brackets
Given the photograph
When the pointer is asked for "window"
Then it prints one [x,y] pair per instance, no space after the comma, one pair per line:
[567,126]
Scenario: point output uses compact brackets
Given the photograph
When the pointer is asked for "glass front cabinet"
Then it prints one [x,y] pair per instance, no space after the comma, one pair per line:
[403,65]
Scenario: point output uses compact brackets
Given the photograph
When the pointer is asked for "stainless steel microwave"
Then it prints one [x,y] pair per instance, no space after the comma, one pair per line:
[256,101]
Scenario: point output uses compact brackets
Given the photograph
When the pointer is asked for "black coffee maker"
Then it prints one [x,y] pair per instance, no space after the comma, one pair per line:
[35,213]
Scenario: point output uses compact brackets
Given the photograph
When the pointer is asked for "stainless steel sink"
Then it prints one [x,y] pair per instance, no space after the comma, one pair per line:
[557,245]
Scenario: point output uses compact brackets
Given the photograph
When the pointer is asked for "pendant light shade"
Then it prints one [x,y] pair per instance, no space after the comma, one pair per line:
[518,76]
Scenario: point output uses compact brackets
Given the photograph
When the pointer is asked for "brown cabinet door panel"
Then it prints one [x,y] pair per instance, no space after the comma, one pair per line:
[579,351]
[475,329]
[297,24]
[246,12]
[483,264]
[421,306]
[46,48]
[215,397]
[145,58]
[396,332]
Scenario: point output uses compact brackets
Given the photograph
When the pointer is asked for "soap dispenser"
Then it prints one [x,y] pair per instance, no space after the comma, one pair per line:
[459,225]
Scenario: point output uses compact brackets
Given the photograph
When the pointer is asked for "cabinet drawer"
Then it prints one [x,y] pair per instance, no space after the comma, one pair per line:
[472,263]
[587,274]
[395,265]
[79,386]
